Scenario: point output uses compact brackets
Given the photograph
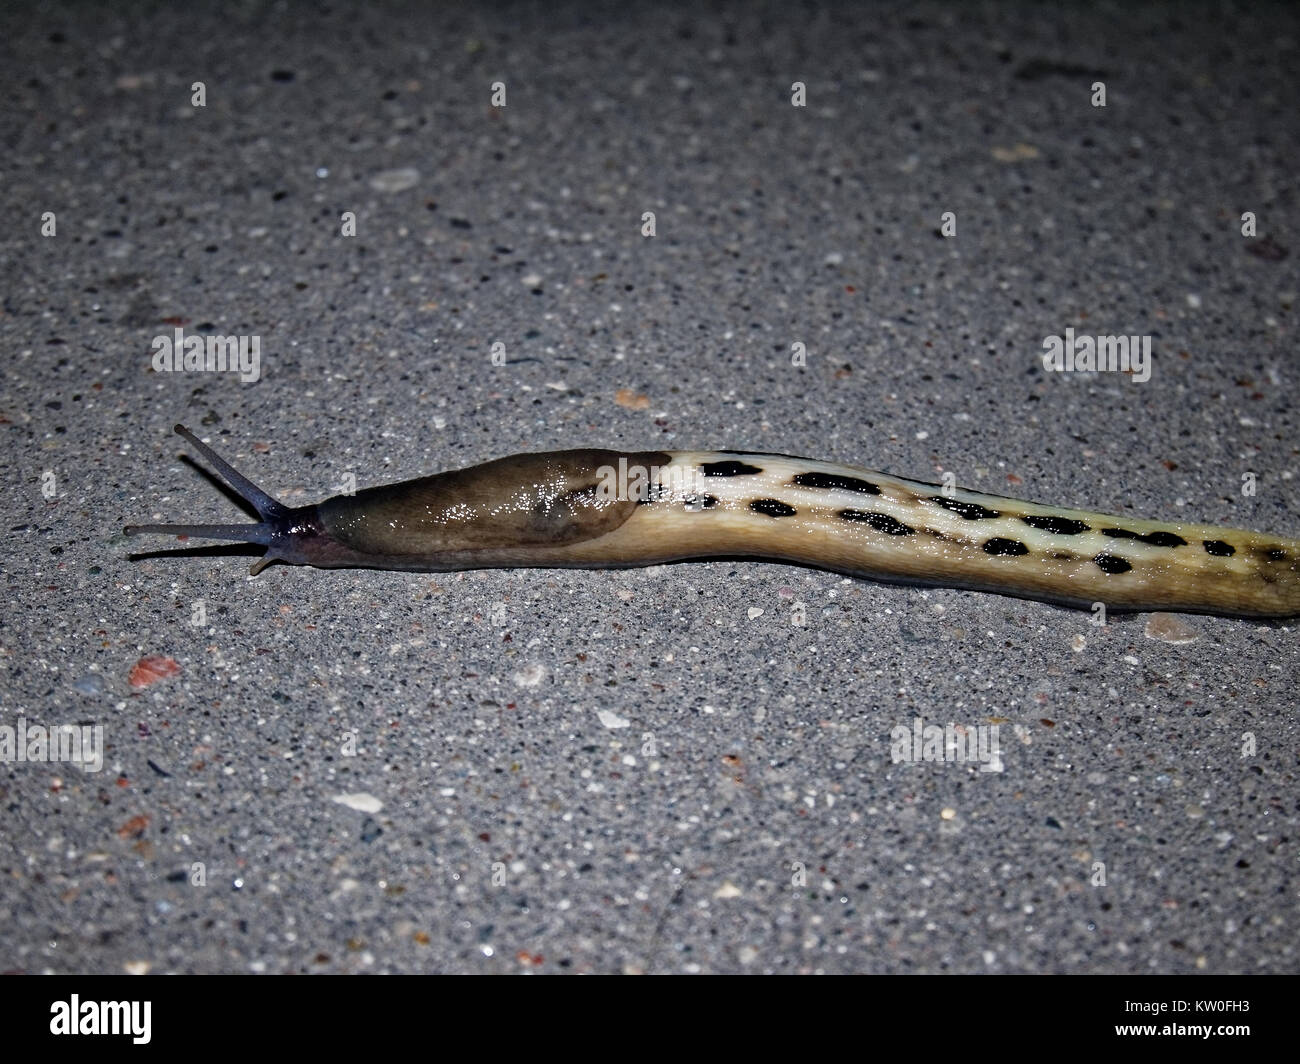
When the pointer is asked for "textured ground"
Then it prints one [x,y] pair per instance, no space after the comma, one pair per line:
[651,770]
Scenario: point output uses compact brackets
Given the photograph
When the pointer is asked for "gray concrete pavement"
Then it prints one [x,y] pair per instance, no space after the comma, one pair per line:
[650,770]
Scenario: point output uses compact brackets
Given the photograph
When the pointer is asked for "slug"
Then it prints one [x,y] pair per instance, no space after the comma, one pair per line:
[601,508]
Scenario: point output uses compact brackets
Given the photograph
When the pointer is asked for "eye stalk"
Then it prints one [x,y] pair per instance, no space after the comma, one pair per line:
[280,527]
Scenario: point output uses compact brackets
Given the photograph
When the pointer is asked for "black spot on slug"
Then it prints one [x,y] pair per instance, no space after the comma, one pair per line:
[1109,563]
[1060,526]
[1156,539]
[998,545]
[835,480]
[653,493]
[1218,548]
[727,469]
[971,511]
[1275,554]
[1163,539]
[880,522]
[1063,557]
[772,508]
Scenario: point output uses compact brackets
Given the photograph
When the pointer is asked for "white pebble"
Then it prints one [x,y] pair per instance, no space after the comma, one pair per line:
[395,180]
[529,676]
[361,802]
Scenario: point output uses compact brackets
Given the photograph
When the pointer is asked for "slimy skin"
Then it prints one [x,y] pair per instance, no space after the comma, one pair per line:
[608,509]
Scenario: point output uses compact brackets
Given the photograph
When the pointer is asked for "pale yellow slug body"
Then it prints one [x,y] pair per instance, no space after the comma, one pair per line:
[601,508]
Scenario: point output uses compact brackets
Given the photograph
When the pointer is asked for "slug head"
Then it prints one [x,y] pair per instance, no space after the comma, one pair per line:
[520,510]
[290,534]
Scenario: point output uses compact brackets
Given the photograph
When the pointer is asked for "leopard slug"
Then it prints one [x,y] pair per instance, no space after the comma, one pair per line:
[606,509]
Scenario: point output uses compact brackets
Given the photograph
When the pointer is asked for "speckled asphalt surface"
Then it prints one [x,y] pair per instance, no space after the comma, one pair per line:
[648,770]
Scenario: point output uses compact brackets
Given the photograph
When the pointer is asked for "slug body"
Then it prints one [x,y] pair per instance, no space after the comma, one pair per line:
[600,508]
